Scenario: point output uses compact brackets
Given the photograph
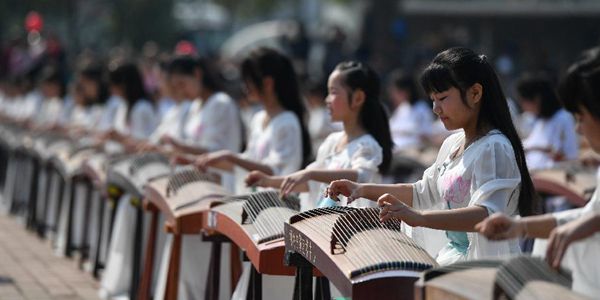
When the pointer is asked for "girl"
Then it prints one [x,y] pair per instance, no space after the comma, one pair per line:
[571,234]
[553,137]
[126,86]
[213,124]
[411,123]
[479,171]
[278,142]
[360,152]
[213,120]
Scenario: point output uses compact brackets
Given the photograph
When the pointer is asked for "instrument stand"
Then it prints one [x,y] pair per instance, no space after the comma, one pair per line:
[214,275]
[304,280]
[137,248]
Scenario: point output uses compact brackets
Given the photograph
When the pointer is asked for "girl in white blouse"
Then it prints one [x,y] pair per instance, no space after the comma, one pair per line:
[573,235]
[278,142]
[412,121]
[553,137]
[478,171]
[358,153]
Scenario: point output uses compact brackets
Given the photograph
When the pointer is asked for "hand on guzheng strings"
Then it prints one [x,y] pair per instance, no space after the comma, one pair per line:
[563,236]
[343,187]
[256,178]
[392,208]
[501,227]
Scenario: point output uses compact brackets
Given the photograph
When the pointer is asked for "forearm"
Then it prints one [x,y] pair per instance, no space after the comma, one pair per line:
[327,176]
[537,226]
[249,164]
[404,192]
[459,219]
[191,149]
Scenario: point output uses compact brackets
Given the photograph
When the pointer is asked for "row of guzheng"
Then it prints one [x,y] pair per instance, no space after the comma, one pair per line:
[521,277]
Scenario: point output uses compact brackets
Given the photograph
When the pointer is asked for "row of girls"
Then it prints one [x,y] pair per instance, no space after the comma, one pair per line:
[479,171]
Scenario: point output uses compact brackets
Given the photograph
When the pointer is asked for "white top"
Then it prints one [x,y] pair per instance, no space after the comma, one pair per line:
[114,115]
[362,154]
[409,123]
[142,119]
[50,111]
[556,134]
[593,206]
[164,105]
[172,123]
[278,145]
[486,175]
[214,124]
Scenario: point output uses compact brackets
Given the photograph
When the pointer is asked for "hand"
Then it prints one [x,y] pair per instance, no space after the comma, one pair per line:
[392,208]
[209,159]
[501,227]
[145,147]
[563,236]
[167,140]
[256,178]
[293,180]
[343,187]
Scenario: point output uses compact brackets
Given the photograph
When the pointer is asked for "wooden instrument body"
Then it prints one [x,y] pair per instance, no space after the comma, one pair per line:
[576,186]
[125,175]
[471,284]
[185,210]
[267,257]
[309,240]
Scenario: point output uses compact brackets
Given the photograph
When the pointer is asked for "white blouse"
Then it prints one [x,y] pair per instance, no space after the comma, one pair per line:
[114,115]
[142,119]
[50,111]
[362,154]
[409,123]
[172,123]
[556,134]
[486,175]
[278,145]
[214,124]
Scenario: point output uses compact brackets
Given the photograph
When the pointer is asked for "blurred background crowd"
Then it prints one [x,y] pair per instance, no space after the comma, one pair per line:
[64,49]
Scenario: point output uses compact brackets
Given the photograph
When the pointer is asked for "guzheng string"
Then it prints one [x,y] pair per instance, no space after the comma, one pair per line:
[369,244]
[269,212]
[513,275]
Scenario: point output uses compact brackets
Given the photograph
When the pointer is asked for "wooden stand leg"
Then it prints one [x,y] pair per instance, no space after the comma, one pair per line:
[235,265]
[137,252]
[322,291]
[304,280]
[87,208]
[97,262]
[70,216]
[173,278]
[214,275]
[255,286]
[146,281]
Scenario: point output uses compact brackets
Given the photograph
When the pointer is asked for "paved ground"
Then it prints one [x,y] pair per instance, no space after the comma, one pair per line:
[30,270]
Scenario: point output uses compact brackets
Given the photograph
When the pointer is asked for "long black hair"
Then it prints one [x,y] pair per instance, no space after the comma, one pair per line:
[581,84]
[266,62]
[532,85]
[373,117]
[127,76]
[461,68]
[96,73]
[404,81]
[188,65]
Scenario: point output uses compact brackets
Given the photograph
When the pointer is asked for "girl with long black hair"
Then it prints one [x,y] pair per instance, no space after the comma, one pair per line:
[479,171]
[360,152]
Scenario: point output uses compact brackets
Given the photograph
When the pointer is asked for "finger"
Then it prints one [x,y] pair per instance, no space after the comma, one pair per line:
[550,248]
[562,248]
[289,188]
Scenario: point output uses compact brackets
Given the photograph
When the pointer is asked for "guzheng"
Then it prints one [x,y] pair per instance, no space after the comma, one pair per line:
[183,198]
[255,224]
[516,278]
[363,257]
[184,195]
[469,280]
[133,172]
[575,183]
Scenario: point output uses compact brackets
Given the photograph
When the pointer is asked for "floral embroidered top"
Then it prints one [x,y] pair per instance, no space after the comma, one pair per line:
[485,174]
